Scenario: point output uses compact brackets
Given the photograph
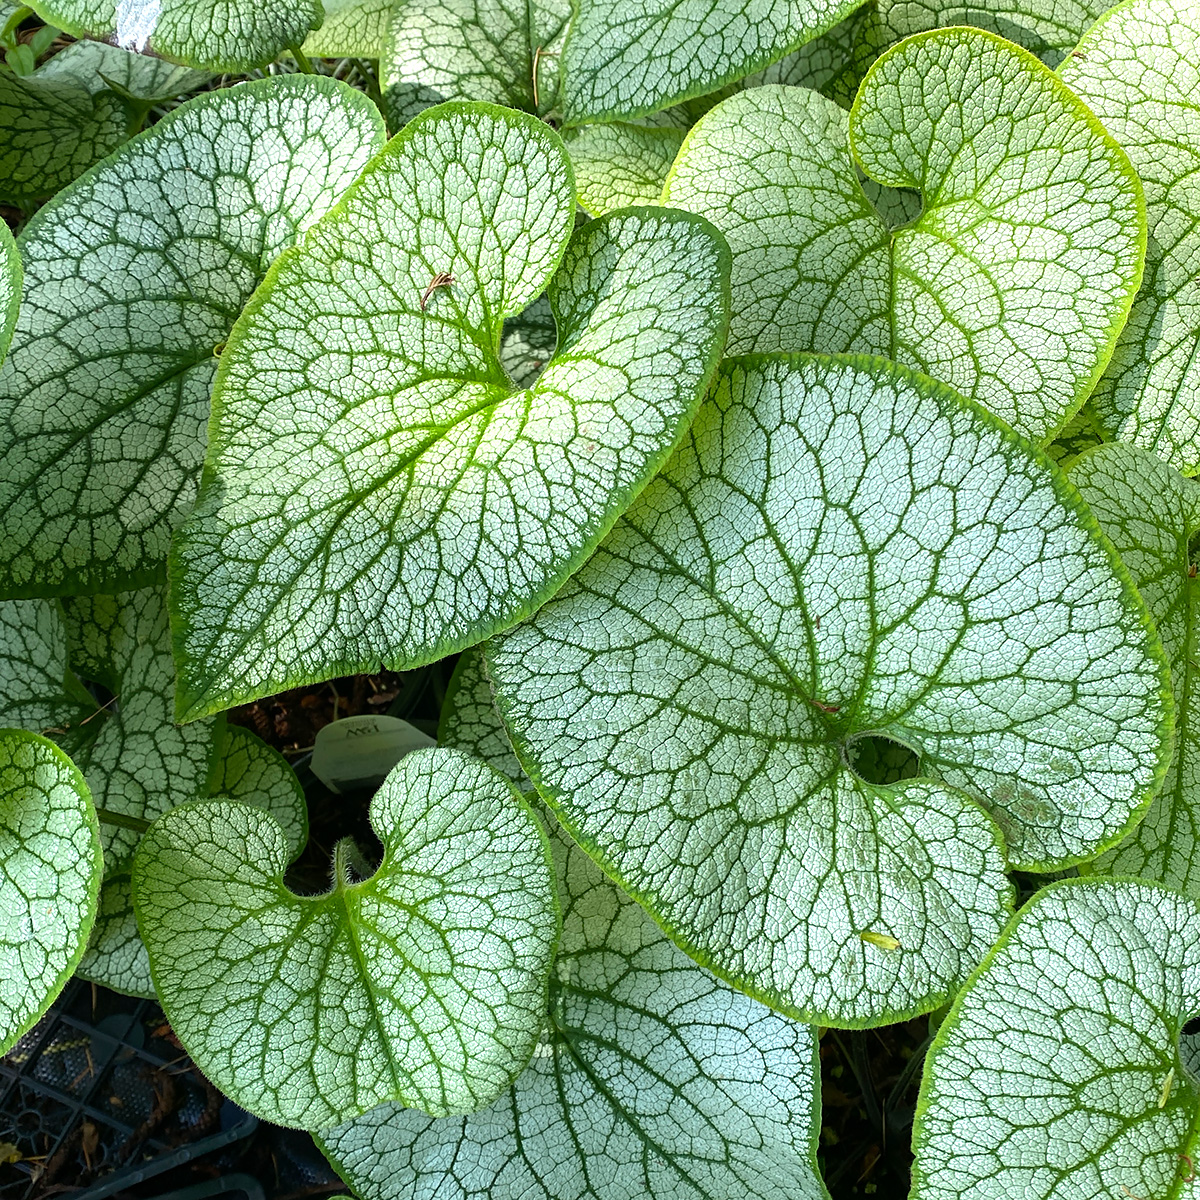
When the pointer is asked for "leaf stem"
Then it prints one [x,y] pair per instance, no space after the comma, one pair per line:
[301,60]
[121,820]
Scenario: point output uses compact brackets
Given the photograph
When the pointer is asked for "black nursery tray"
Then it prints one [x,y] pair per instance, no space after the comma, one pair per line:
[99,1097]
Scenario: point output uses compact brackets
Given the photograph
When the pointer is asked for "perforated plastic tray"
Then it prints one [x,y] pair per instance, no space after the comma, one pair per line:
[100,1097]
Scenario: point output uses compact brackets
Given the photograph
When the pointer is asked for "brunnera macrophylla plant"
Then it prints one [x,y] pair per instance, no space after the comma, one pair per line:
[789,413]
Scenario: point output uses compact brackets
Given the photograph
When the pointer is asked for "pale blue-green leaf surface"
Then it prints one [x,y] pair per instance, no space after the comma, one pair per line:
[425,983]
[1152,515]
[1011,284]
[1057,1074]
[1048,28]
[11,276]
[352,28]
[249,771]
[216,35]
[473,50]
[1139,70]
[377,488]
[619,164]
[840,549]
[623,58]
[651,1077]
[50,863]
[134,277]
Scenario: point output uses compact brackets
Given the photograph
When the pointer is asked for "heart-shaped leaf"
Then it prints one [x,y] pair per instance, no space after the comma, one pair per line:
[134,277]
[248,771]
[425,983]
[377,489]
[840,551]
[71,112]
[232,35]
[1049,28]
[1057,1074]
[502,51]
[623,59]
[50,862]
[621,164]
[1012,283]
[1152,515]
[351,29]
[1139,70]
[651,1077]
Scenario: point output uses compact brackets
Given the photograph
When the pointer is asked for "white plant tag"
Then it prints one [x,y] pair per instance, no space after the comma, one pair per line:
[360,751]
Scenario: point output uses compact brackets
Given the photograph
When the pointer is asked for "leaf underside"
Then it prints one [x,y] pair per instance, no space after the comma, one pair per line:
[1013,278]
[839,549]
[352,28]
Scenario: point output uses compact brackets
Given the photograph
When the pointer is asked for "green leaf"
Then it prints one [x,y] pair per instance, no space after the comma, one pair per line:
[1137,69]
[651,1079]
[1152,515]
[50,864]
[623,59]
[528,342]
[1015,279]
[137,762]
[840,549]
[377,490]
[1057,1074]
[249,771]
[1048,28]
[232,35]
[133,278]
[1079,434]
[65,117]
[621,164]
[116,957]
[424,983]
[352,29]
[38,692]
[10,286]
[473,50]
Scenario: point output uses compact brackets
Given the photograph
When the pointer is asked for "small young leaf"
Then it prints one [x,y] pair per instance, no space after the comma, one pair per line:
[134,277]
[50,862]
[473,50]
[1139,70]
[623,59]
[1048,28]
[1152,515]
[840,549]
[651,1077]
[425,983]
[351,29]
[59,121]
[232,35]
[248,771]
[621,164]
[1014,280]
[377,490]
[1057,1074]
